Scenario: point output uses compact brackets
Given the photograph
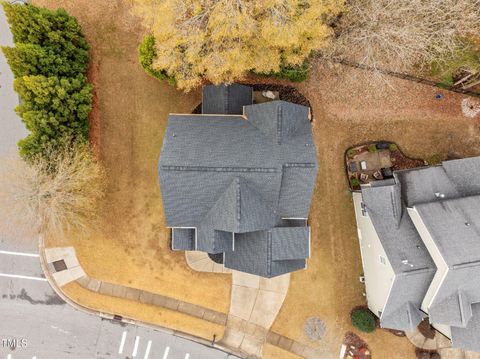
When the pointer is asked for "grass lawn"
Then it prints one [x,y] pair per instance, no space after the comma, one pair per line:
[344,116]
[132,246]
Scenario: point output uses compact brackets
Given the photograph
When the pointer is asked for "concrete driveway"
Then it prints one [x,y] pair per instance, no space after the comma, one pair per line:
[11,127]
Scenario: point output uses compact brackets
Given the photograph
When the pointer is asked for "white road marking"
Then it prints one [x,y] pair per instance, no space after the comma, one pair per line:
[135,346]
[20,254]
[187,355]
[147,352]
[22,277]
[122,343]
[165,355]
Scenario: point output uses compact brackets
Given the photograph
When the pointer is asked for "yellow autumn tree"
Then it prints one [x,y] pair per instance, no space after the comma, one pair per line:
[222,40]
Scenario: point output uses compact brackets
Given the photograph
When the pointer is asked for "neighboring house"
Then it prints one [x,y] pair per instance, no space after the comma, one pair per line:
[238,180]
[419,235]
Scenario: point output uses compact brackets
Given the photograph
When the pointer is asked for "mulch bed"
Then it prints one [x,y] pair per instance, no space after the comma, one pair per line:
[426,329]
[397,333]
[356,347]
[426,354]
[402,162]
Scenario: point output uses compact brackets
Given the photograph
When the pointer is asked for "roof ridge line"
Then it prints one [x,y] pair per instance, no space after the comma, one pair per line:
[219,168]
[279,123]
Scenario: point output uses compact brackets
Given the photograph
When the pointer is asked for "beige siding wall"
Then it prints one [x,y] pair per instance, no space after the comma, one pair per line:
[442,267]
[378,276]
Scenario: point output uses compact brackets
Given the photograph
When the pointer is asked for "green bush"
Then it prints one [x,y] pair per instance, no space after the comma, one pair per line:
[54,30]
[147,55]
[434,160]
[294,73]
[49,61]
[53,109]
[32,59]
[363,320]
[393,147]
[372,148]
[351,152]
[355,182]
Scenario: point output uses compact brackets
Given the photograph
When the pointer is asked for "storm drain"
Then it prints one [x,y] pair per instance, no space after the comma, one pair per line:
[59,265]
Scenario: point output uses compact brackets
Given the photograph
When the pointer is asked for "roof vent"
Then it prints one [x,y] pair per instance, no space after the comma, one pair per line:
[405,261]
[439,195]
[467,224]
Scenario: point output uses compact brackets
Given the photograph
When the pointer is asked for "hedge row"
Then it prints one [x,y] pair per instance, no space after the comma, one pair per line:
[49,62]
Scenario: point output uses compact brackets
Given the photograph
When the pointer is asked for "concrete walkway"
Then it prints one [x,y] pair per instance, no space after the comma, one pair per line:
[441,344]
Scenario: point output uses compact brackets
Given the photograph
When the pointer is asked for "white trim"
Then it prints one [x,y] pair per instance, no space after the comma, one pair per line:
[309,242]
[388,297]
[20,254]
[233,241]
[22,277]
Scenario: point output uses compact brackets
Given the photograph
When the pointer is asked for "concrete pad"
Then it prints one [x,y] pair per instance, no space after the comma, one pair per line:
[146,297]
[194,256]
[298,348]
[159,300]
[443,341]
[273,338]
[278,284]
[250,328]
[83,281]
[252,345]
[245,279]
[451,354]
[94,285]
[119,291]
[471,355]
[236,323]
[106,288]
[191,309]
[132,294]
[242,302]
[171,303]
[430,344]
[215,317]
[285,343]
[232,338]
[266,308]
[67,276]
[416,338]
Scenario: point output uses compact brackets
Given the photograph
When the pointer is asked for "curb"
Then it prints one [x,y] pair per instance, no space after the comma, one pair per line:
[112,317]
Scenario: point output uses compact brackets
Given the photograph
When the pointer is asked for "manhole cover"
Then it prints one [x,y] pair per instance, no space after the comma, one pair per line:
[314,328]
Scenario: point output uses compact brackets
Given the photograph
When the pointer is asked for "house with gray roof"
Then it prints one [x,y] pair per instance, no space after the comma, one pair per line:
[238,180]
[419,235]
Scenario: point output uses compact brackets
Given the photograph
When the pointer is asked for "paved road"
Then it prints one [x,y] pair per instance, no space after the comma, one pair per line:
[34,322]
[11,128]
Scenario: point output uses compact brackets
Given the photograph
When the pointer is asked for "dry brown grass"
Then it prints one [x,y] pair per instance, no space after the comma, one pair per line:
[133,246]
[146,313]
[422,126]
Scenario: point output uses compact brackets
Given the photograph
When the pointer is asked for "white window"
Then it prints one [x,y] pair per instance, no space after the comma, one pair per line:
[383,260]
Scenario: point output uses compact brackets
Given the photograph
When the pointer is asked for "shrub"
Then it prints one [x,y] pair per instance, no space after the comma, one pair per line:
[52,109]
[147,55]
[355,182]
[32,59]
[52,194]
[49,62]
[363,320]
[351,152]
[294,73]
[372,148]
[393,147]
[51,29]
[434,160]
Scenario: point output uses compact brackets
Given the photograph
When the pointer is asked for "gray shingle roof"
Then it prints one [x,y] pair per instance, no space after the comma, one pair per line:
[224,175]
[447,198]
[226,100]
[406,252]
